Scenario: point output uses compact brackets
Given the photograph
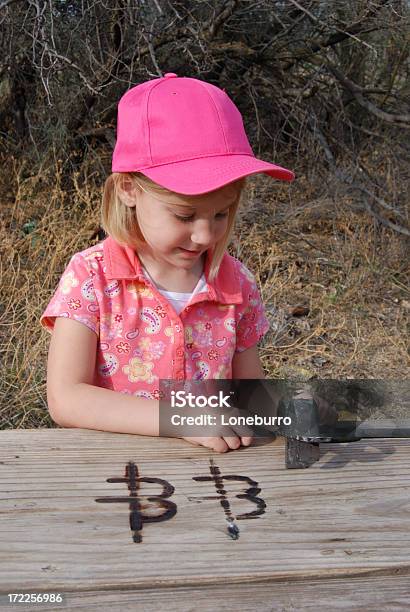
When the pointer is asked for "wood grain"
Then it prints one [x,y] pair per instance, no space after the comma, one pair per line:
[345,518]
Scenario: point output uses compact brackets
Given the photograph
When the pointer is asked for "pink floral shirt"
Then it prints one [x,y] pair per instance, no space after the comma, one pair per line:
[141,339]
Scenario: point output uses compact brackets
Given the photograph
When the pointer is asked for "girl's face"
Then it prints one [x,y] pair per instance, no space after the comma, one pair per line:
[177,229]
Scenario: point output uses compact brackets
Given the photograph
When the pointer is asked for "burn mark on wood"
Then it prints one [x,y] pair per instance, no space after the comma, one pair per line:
[137,502]
[250,494]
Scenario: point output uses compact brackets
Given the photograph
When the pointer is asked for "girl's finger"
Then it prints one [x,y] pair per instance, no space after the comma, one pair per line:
[233,442]
[217,444]
[246,441]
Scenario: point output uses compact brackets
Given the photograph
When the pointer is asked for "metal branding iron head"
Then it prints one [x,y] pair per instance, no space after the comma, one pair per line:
[313,422]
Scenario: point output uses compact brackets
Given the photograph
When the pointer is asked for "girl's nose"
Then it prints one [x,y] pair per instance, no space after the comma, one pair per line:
[203,233]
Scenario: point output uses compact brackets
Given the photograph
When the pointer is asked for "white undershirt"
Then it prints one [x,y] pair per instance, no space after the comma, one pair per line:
[178,300]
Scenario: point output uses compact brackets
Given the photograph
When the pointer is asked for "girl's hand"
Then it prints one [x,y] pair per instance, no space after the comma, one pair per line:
[221,445]
[227,437]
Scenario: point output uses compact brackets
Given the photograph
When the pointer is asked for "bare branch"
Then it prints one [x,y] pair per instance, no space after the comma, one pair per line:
[317,21]
[5,3]
[224,14]
[357,92]
[346,178]
[394,226]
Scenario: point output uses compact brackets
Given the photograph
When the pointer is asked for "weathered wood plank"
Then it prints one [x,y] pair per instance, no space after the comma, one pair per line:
[346,516]
[387,593]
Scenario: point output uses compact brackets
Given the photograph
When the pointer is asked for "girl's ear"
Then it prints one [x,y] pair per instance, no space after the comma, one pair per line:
[128,192]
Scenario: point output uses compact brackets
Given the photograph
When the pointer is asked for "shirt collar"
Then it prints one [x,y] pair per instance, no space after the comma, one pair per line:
[122,262]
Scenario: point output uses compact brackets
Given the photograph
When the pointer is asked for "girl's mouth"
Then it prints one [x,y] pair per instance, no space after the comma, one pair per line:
[190,253]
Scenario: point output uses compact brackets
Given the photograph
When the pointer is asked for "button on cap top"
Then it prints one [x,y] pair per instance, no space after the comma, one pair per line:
[170,75]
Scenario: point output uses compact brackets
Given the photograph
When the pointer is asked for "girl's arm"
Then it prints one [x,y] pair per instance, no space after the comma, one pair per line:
[247,364]
[73,399]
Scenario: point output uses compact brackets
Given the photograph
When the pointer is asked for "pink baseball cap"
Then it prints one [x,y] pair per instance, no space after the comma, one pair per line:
[186,135]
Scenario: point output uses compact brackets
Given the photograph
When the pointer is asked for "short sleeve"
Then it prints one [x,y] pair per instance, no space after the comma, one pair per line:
[74,298]
[252,323]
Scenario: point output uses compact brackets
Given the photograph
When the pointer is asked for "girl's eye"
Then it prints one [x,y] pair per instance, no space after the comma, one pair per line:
[188,219]
[183,219]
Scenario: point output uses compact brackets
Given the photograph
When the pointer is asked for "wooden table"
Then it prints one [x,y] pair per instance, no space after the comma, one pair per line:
[333,536]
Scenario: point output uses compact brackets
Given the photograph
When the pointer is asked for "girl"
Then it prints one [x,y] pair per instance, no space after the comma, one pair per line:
[160,298]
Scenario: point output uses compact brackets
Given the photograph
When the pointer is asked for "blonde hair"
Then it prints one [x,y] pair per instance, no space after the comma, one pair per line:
[120,221]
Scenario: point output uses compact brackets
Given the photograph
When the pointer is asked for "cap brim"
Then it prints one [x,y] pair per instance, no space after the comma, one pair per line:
[205,174]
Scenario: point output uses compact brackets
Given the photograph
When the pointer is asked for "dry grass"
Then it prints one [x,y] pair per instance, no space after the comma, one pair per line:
[305,248]
[350,274]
